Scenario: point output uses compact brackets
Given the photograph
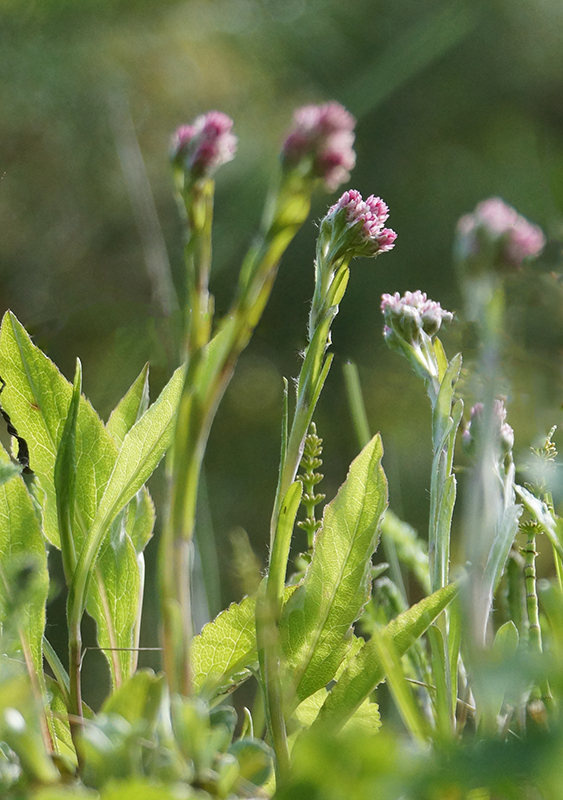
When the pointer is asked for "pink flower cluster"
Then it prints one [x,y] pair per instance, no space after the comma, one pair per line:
[364,220]
[501,428]
[496,224]
[410,314]
[321,143]
[204,146]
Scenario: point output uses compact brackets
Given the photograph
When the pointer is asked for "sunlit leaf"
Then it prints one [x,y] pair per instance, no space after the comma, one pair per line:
[316,624]
[365,671]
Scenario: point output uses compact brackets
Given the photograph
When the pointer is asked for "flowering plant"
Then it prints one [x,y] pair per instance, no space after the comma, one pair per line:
[316,637]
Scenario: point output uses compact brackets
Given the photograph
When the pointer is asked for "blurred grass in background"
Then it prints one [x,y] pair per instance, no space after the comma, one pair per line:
[455,101]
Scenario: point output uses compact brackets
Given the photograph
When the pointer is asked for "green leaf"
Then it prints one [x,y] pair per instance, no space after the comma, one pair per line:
[138,699]
[140,519]
[316,624]
[365,671]
[58,723]
[142,449]
[65,479]
[366,719]
[130,408]
[443,407]
[225,648]
[24,579]
[37,397]
[113,601]
[8,471]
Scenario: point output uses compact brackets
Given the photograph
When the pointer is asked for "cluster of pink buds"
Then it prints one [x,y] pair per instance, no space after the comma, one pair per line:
[320,144]
[200,149]
[355,227]
[501,430]
[408,316]
[495,233]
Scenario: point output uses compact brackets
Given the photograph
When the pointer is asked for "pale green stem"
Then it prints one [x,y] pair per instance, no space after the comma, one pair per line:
[203,390]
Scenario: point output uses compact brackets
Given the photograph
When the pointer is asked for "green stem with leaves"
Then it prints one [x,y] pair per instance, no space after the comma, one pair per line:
[210,367]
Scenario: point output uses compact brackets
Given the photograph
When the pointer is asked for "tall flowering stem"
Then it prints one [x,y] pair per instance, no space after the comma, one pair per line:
[198,151]
[352,227]
[411,324]
[492,242]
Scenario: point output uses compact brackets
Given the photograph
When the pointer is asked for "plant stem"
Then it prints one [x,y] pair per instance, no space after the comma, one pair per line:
[209,369]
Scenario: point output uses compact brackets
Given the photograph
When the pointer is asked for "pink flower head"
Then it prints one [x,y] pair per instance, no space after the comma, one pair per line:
[320,143]
[204,146]
[496,230]
[407,316]
[355,226]
[501,429]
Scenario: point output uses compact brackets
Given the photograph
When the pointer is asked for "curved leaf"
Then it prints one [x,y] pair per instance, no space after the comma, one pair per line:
[365,671]
[315,627]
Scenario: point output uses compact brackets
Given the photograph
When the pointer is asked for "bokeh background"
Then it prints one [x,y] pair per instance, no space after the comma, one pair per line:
[455,101]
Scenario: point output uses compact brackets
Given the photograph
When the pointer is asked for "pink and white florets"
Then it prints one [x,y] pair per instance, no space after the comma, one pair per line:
[201,148]
[497,231]
[410,314]
[320,143]
[357,225]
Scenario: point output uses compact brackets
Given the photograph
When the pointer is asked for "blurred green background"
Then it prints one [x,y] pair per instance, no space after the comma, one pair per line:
[455,101]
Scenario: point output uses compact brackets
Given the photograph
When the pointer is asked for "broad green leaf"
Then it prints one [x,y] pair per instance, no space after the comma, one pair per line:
[24,580]
[142,449]
[316,624]
[365,671]
[366,719]
[225,648]
[113,600]
[8,471]
[37,397]
[138,699]
[223,652]
[130,408]
[42,402]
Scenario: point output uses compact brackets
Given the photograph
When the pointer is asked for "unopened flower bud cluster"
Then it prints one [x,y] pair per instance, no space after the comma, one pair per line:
[320,144]
[408,316]
[501,430]
[201,148]
[496,235]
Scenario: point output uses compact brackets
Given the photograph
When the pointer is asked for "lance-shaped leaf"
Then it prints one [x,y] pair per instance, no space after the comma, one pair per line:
[24,580]
[142,449]
[365,671]
[316,624]
[113,600]
[130,408]
[37,397]
[65,479]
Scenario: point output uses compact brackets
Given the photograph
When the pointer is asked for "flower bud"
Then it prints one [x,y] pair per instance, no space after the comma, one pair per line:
[201,148]
[501,430]
[320,144]
[409,316]
[354,227]
[496,235]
